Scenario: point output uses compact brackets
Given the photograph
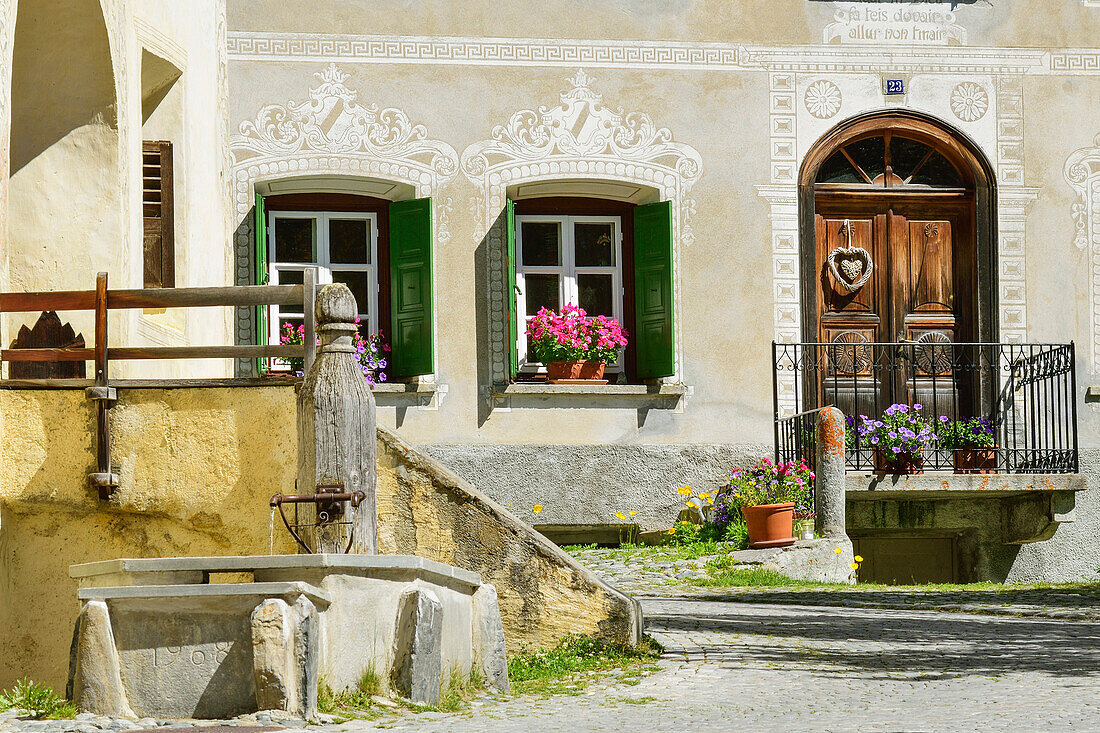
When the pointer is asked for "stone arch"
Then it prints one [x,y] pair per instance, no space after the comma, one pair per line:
[963,153]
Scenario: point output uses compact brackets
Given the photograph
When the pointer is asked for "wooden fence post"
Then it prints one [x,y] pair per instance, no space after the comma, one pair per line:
[337,427]
[309,299]
[104,396]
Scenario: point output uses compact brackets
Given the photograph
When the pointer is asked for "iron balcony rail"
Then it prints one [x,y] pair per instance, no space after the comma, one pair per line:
[1027,392]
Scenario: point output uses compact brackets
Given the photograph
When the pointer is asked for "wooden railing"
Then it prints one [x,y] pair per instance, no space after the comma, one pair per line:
[101,300]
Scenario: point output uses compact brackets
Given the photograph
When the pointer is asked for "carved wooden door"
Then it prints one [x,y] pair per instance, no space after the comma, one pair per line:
[894,271]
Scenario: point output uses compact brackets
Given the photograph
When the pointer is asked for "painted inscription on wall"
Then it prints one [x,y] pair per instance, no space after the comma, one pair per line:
[922,24]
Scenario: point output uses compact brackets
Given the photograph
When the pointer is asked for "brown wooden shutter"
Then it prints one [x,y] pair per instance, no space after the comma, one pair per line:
[156,204]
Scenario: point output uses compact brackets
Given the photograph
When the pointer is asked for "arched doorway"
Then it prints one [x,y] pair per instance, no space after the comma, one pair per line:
[897,239]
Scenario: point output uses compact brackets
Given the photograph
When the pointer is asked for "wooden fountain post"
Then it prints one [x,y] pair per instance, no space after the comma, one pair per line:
[337,426]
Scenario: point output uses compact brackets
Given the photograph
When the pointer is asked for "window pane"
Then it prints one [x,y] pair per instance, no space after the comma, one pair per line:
[541,243]
[542,291]
[294,239]
[937,172]
[289,277]
[837,169]
[596,294]
[594,245]
[357,282]
[905,154]
[348,241]
[870,155]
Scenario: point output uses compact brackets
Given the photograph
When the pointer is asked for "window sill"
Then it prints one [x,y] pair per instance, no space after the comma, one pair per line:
[537,394]
[618,390]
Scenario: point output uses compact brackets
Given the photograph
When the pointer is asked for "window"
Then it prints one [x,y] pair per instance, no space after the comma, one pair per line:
[380,249]
[568,259]
[159,252]
[610,257]
[342,245]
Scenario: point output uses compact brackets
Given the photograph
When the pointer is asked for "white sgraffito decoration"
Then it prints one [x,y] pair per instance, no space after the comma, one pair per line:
[580,138]
[969,101]
[1082,172]
[332,133]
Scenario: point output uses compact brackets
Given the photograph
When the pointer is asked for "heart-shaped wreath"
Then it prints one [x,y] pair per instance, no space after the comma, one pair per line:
[851,267]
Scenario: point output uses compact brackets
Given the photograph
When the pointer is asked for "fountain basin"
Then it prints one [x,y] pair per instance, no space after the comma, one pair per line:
[213,637]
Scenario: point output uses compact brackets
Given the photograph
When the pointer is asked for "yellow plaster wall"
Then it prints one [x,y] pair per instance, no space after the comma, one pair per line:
[197,467]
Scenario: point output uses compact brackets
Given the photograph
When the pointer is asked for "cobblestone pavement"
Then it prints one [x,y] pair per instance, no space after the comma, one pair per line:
[771,661]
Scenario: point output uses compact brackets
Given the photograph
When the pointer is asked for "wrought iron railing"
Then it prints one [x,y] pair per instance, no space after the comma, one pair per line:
[1026,391]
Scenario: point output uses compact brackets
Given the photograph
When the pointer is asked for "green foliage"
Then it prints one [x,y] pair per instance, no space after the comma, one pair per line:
[723,572]
[973,433]
[566,667]
[685,533]
[736,533]
[355,702]
[459,688]
[37,699]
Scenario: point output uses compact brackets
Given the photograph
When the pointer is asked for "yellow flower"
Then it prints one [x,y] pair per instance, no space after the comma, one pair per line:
[838,550]
[672,530]
[704,495]
[620,515]
[859,558]
[691,503]
[854,565]
[633,513]
[538,508]
[684,491]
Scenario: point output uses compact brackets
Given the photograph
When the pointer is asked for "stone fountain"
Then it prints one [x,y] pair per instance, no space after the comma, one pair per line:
[215,637]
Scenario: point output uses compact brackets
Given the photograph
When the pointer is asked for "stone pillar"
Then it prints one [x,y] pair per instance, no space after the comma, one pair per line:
[285,656]
[97,679]
[488,640]
[418,646]
[337,424]
[829,486]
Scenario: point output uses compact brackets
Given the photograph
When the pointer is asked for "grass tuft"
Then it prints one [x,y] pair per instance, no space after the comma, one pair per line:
[37,699]
[576,661]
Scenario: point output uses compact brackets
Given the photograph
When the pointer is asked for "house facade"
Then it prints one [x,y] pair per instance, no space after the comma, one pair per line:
[716,176]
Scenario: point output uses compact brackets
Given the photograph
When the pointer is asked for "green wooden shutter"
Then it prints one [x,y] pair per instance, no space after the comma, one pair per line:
[411,288]
[513,317]
[261,275]
[653,341]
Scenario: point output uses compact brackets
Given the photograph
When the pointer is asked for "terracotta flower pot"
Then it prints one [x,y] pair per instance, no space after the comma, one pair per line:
[975,460]
[570,371]
[899,463]
[770,525]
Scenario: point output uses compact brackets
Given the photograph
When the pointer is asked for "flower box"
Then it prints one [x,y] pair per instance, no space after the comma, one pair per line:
[975,460]
[905,464]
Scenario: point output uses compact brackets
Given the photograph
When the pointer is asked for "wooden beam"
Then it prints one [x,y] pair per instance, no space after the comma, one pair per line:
[204,352]
[44,354]
[243,295]
[61,300]
[76,300]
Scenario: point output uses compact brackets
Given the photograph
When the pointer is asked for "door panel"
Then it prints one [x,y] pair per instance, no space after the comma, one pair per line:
[921,290]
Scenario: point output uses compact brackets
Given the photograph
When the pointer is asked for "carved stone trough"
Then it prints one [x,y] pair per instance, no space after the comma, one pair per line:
[157,638]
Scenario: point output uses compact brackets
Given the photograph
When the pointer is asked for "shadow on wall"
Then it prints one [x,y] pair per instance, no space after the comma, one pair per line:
[62,75]
[197,474]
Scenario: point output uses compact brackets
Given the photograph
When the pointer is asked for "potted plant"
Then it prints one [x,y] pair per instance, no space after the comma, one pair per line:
[574,347]
[898,439]
[972,442]
[767,495]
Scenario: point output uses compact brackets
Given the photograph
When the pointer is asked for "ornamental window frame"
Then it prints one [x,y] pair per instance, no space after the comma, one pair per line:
[567,270]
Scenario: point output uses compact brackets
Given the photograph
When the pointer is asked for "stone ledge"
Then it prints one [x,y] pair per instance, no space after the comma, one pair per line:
[421,567]
[956,486]
[200,590]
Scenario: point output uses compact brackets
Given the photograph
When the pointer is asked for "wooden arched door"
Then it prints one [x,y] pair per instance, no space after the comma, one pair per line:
[894,262]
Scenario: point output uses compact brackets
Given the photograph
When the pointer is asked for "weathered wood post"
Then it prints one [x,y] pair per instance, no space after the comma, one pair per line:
[337,425]
[829,486]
